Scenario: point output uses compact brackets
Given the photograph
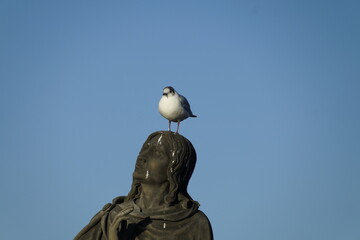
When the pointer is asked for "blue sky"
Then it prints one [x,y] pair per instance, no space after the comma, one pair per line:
[275,85]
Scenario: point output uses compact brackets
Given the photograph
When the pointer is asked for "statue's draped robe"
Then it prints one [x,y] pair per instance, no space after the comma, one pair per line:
[170,223]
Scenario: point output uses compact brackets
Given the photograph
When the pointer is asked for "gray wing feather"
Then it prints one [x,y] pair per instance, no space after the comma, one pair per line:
[185,104]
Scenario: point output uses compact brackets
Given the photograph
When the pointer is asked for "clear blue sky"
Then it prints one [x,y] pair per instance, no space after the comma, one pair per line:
[275,85]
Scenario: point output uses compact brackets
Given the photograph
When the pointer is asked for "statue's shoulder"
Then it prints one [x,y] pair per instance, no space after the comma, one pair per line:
[110,206]
[202,225]
[201,217]
[93,229]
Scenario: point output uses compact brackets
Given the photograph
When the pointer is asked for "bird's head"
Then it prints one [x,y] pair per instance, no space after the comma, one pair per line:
[168,91]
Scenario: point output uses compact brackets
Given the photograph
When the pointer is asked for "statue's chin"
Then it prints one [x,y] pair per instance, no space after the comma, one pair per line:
[139,176]
[148,179]
[142,177]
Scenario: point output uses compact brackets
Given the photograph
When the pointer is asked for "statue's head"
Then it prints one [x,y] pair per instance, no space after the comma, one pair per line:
[165,157]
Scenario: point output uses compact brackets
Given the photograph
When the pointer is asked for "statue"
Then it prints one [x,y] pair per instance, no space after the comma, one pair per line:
[158,205]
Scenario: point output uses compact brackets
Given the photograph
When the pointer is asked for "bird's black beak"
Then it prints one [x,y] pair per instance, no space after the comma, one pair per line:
[165,94]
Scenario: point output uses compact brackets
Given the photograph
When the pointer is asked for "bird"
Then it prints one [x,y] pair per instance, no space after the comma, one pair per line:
[174,107]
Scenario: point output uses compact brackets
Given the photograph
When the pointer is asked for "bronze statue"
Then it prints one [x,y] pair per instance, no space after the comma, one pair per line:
[158,205]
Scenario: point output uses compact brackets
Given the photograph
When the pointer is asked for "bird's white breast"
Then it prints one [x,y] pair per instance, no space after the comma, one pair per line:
[171,109]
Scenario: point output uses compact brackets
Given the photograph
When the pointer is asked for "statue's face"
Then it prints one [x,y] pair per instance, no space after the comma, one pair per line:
[152,162]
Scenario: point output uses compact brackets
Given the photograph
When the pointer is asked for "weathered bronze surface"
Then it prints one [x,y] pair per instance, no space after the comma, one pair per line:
[158,205]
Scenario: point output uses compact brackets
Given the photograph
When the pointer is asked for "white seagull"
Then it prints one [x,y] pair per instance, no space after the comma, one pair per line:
[174,107]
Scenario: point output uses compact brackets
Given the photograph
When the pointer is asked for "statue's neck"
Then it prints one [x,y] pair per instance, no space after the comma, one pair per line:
[153,196]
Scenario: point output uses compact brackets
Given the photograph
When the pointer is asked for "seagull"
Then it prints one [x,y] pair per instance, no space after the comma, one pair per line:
[174,107]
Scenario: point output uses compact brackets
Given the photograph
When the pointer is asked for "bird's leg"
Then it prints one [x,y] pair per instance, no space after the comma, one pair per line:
[177,130]
[169,129]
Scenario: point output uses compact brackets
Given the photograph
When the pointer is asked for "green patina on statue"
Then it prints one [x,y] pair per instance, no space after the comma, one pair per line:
[158,205]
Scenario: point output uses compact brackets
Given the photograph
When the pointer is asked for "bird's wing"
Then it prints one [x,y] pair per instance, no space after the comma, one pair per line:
[185,104]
